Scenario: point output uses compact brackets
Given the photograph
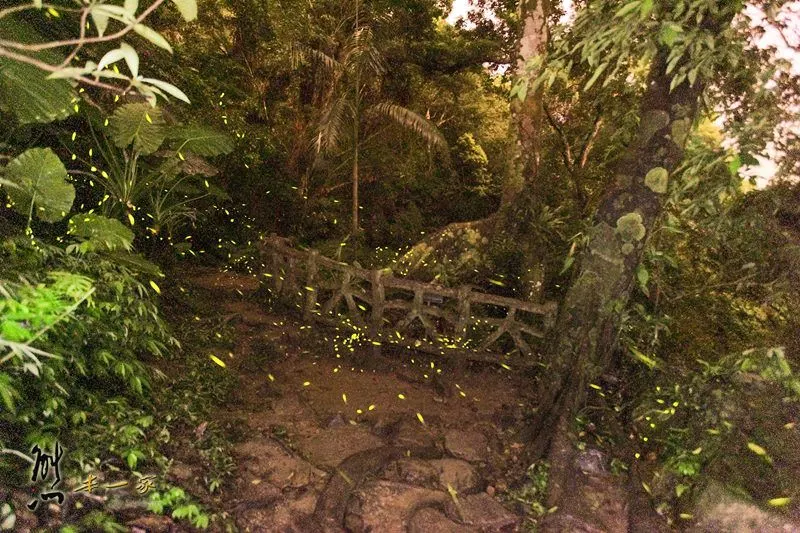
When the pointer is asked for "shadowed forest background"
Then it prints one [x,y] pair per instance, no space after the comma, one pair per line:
[343,265]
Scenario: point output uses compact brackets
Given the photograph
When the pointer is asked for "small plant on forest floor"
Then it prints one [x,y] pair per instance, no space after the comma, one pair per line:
[215,449]
[175,502]
[531,494]
[95,521]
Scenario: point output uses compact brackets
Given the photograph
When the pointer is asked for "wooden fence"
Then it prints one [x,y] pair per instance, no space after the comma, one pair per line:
[388,309]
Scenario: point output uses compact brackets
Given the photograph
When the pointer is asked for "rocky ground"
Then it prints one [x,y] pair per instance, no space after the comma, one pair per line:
[330,437]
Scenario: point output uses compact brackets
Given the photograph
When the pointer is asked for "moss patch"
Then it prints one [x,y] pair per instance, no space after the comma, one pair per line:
[657,180]
[630,227]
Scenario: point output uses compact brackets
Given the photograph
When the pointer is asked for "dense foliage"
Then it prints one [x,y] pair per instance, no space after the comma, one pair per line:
[137,137]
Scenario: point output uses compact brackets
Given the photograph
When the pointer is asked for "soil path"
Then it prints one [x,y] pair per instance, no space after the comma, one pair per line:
[336,437]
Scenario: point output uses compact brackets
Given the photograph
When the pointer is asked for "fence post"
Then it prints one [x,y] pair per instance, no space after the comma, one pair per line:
[311,291]
[378,297]
[464,311]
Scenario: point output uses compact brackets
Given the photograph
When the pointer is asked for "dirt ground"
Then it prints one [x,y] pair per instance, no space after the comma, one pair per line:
[304,406]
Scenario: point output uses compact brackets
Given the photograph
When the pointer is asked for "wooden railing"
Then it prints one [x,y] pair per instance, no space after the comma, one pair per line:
[387,309]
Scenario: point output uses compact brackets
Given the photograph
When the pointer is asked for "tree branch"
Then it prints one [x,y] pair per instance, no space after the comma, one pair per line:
[82,40]
[567,153]
[587,148]
[47,67]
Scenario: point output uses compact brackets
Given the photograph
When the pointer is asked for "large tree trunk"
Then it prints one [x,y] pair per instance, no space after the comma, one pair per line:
[589,318]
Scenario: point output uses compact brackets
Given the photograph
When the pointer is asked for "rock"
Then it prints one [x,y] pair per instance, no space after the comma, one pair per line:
[387,506]
[277,516]
[720,510]
[336,421]
[563,522]
[256,489]
[267,461]
[591,462]
[180,472]
[413,434]
[456,473]
[430,520]
[331,447]
[471,446]
[152,524]
[414,472]
[484,512]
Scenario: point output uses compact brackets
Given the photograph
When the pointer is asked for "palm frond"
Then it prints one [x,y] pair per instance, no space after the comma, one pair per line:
[332,127]
[411,121]
[301,53]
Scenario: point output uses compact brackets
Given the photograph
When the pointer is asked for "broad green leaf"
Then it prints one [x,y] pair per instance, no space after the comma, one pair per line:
[131,6]
[153,36]
[138,125]
[136,262]
[69,73]
[760,451]
[100,233]
[126,52]
[27,93]
[200,140]
[7,392]
[735,165]
[646,9]
[188,9]
[595,76]
[669,33]
[649,361]
[643,276]
[38,178]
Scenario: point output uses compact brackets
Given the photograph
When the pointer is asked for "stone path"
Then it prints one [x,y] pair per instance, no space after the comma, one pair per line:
[309,415]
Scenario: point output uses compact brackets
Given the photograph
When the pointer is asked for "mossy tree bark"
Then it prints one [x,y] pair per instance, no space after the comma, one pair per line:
[588,323]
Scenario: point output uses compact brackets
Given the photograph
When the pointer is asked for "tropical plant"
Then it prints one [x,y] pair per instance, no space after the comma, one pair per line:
[351,78]
[24,54]
[155,171]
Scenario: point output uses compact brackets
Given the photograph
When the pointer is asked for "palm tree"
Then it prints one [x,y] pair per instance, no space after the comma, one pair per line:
[348,79]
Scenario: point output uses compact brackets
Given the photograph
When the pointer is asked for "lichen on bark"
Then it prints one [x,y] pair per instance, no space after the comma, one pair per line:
[630,227]
[657,180]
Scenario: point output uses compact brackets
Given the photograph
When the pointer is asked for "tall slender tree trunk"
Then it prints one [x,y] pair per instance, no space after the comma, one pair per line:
[356,117]
[355,228]
[528,114]
[588,323]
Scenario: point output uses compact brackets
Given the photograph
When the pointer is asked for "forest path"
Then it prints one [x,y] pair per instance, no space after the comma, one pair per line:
[308,398]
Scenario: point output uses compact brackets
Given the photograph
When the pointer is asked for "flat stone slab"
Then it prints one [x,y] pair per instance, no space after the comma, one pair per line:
[471,446]
[457,474]
[388,506]
[264,461]
[336,444]
[485,513]
[413,472]
[720,510]
[429,520]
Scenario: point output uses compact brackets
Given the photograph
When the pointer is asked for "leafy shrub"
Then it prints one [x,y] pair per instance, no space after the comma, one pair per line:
[98,321]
